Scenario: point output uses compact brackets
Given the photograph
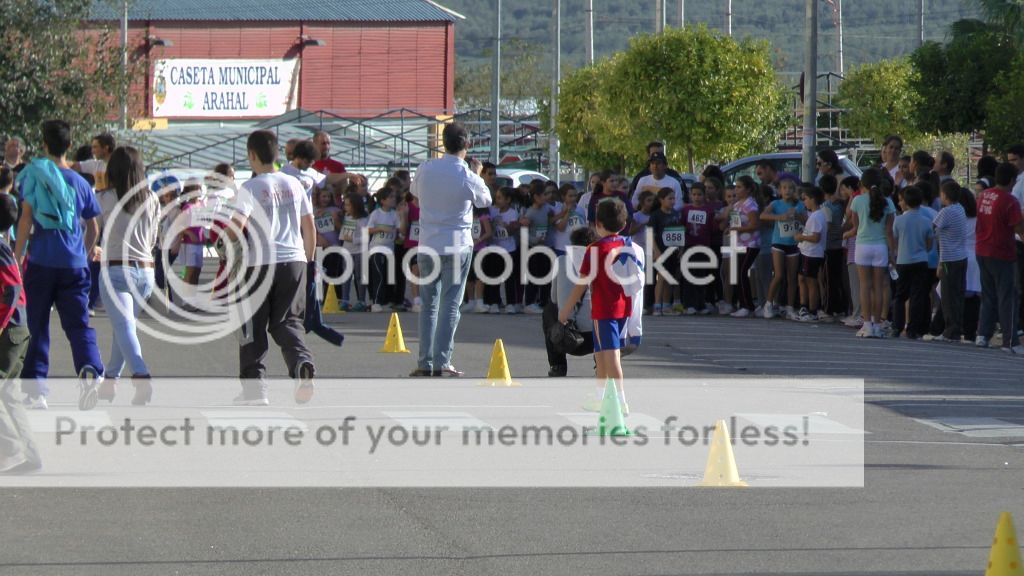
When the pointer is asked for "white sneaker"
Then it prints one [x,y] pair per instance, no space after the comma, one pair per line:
[511,309]
[533,309]
[759,311]
[725,308]
[691,311]
[480,308]
[741,313]
[981,342]
[376,308]
[769,311]
[243,400]
[825,316]
[792,314]
[88,383]
[465,308]
[706,310]
[878,331]
[494,309]
[865,331]
[1016,350]
[806,316]
[37,403]
[854,322]
[450,371]
[8,463]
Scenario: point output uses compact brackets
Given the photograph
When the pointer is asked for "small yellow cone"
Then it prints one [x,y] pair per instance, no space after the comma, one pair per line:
[1004,559]
[394,343]
[498,374]
[331,302]
[721,469]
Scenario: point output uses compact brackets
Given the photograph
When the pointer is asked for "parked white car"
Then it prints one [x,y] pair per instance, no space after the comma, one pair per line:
[516,177]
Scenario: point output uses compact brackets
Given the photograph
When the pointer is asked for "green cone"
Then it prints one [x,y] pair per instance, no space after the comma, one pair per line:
[611,422]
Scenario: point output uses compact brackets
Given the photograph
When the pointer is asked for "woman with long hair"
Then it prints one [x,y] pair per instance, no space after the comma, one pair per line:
[745,221]
[131,221]
[871,216]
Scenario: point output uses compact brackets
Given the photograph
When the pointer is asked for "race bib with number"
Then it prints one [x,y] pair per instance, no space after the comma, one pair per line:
[674,236]
[324,224]
[501,233]
[540,233]
[414,231]
[348,231]
[388,235]
[697,218]
[735,220]
[789,228]
[477,229]
[575,222]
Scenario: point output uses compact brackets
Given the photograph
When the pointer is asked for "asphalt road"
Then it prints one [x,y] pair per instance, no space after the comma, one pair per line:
[943,456]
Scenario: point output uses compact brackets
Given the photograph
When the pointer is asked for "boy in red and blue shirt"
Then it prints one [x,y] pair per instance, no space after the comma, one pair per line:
[610,306]
[17,449]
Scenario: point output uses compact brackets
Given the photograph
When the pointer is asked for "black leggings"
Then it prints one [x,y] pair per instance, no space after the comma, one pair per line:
[746,294]
[494,267]
[380,289]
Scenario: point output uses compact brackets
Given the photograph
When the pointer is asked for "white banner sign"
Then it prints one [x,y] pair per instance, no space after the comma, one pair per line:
[190,88]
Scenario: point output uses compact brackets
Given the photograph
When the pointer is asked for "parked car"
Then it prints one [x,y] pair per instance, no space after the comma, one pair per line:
[783,161]
[515,177]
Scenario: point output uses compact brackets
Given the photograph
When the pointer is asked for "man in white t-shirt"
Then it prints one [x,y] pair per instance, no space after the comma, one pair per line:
[102,147]
[658,179]
[301,166]
[448,189]
[281,240]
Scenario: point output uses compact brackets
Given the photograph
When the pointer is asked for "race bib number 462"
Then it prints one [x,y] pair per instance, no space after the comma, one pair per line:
[697,218]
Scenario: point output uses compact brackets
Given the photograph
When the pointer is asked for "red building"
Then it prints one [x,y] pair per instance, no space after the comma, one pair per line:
[245,60]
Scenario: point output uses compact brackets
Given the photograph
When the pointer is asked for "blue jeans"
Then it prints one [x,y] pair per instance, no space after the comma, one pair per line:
[67,289]
[439,316]
[129,288]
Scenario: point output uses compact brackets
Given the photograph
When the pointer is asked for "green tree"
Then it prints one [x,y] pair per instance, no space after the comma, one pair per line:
[1005,121]
[1006,17]
[706,95]
[879,99]
[955,79]
[51,69]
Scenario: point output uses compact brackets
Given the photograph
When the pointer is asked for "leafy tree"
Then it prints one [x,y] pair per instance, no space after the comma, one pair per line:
[51,69]
[1005,121]
[954,79]
[1006,17]
[706,95]
[880,99]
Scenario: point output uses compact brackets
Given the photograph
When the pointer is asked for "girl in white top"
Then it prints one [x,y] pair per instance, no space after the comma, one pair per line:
[505,219]
[382,228]
[353,235]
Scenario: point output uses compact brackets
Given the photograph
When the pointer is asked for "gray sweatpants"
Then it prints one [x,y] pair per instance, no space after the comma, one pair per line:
[280,314]
[15,432]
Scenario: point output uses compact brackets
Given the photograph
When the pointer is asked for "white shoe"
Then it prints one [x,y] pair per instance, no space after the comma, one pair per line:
[37,403]
[494,309]
[706,310]
[806,316]
[865,331]
[376,308]
[792,314]
[243,400]
[512,309]
[1016,350]
[416,308]
[878,331]
[769,311]
[10,462]
[88,383]
[759,311]
[450,371]
[480,308]
[981,342]
[725,308]
[467,307]
[533,309]
[825,316]
[741,313]
[690,311]
[854,322]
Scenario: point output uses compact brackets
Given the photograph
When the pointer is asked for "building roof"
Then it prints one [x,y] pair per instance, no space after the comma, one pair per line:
[279,10]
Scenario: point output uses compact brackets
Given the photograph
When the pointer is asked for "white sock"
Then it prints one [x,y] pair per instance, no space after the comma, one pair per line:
[622,397]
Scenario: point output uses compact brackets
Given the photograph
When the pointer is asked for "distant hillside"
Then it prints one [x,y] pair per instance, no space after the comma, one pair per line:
[873,29]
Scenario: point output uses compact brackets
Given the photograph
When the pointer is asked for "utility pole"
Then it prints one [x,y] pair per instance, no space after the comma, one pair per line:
[728,17]
[659,16]
[839,27]
[810,90]
[920,26]
[682,13]
[590,31]
[124,66]
[554,158]
[496,89]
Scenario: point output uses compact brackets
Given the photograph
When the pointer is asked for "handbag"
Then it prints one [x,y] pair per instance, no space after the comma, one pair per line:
[565,338]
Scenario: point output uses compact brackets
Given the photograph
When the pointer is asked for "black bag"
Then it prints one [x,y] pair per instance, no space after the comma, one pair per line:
[565,338]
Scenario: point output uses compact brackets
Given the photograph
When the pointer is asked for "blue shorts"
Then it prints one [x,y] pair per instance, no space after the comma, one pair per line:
[610,334]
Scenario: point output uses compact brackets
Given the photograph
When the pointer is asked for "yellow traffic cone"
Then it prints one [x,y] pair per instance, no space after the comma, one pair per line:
[611,422]
[498,373]
[394,343]
[331,302]
[1004,559]
[721,469]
